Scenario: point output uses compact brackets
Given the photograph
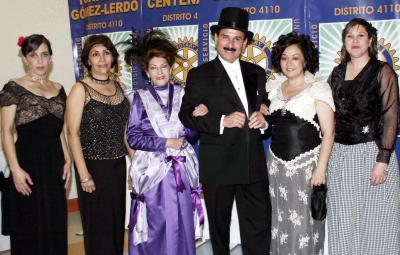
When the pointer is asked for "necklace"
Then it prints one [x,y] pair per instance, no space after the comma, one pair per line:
[38,78]
[286,101]
[98,81]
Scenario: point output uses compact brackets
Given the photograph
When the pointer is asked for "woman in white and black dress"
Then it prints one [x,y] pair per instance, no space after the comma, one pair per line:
[301,108]
[363,175]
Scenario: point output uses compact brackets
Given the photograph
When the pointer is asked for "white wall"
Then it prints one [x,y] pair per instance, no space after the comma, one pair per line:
[25,17]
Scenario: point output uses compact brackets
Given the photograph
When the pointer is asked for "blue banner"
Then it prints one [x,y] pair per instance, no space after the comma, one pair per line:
[187,22]
[113,18]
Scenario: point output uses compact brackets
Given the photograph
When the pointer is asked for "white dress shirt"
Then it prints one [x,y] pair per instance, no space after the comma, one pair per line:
[235,74]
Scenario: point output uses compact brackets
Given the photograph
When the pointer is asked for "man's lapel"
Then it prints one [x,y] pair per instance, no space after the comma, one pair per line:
[225,85]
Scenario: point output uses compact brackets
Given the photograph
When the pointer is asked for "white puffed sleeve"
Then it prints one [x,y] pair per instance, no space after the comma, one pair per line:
[322,91]
[274,84]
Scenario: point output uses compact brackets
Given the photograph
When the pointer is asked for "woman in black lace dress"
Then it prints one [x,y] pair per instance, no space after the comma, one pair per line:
[39,159]
[97,113]
[363,175]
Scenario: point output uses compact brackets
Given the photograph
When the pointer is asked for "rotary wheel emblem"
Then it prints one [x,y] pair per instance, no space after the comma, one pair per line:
[187,49]
[387,55]
[259,53]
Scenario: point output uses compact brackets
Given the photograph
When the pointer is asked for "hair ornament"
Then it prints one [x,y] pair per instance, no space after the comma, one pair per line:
[21,40]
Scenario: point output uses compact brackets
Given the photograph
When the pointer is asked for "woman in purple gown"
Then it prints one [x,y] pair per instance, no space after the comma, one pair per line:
[166,210]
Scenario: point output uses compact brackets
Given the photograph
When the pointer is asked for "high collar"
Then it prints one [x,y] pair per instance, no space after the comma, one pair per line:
[160,87]
[229,66]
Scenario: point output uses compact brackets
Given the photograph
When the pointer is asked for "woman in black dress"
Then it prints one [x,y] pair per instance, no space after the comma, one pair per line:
[39,159]
[97,113]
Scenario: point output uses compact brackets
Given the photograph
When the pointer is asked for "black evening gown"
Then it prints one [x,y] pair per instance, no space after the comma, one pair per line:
[38,222]
[102,132]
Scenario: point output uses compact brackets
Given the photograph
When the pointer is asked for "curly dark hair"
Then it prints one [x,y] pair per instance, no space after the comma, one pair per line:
[33,42]
[154,43]
[372,33]
[304,43]
[93,40]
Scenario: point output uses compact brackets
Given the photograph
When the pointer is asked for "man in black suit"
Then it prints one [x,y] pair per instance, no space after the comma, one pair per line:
[232,158]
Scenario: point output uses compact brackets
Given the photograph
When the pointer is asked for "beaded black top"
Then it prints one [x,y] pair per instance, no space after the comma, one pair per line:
[103,124]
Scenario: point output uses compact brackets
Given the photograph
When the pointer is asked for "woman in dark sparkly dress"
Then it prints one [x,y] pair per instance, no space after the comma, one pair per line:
[97,113]
[39,159]
[363,174]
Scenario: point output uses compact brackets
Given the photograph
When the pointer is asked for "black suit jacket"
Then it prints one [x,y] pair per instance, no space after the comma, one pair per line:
[237,156]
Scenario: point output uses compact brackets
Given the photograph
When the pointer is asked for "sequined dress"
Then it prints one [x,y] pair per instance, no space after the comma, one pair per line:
[102,139]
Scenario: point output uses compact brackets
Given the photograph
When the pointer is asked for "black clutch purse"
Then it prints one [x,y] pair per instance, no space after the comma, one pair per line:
[318,202]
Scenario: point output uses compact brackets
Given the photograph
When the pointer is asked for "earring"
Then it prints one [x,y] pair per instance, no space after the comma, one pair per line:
[149,81]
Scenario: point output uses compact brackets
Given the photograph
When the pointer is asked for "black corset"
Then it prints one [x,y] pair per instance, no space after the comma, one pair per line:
[292,135]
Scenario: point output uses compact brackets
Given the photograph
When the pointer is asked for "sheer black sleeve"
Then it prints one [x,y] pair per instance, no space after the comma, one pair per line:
[9,95]
[389,91]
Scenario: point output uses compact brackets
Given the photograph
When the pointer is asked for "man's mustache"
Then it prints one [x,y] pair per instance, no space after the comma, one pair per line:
[229,49]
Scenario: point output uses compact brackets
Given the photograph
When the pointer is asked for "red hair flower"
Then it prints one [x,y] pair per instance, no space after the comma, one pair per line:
[21,40]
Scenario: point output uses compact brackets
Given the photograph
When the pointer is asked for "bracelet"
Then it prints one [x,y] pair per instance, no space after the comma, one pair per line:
[88,179]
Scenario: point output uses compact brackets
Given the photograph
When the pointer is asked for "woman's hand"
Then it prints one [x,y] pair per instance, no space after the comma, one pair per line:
[22,180]
[200,110]
[67,175]
[264,109]
[87,184]
[175,143]
[379,173]
[318,176]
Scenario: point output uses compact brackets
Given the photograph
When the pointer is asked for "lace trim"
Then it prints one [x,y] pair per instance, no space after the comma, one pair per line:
[316,91]
[294,113]
[31,106]
[293,164]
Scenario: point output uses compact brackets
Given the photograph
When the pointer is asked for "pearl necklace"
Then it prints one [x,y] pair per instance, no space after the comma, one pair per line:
[38,78]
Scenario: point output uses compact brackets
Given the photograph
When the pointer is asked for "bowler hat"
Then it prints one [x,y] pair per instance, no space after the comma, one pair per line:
[233,18]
